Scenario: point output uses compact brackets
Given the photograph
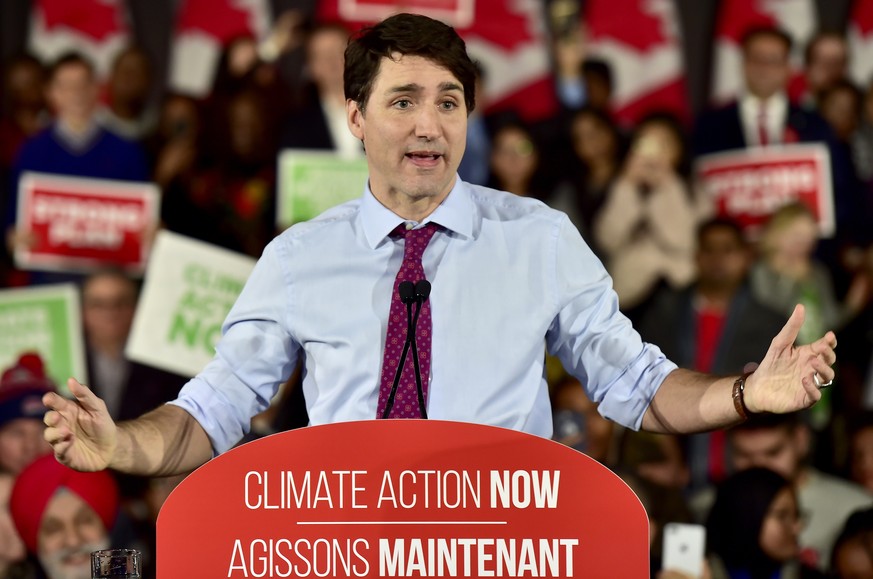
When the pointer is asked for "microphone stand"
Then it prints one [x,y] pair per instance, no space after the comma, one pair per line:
[422,291]
[407,295]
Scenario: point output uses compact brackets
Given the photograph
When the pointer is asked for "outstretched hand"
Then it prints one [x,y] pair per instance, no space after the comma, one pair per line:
[785,381]
[81,432]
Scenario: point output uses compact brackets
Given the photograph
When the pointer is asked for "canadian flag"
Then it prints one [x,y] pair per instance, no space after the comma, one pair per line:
[202,29]
[96,28]
[641,41]
[796,17]
[860,36]
[508,37]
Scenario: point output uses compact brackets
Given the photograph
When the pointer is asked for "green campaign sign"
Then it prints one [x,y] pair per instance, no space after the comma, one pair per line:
[45,320]
[311,182]
[189,288]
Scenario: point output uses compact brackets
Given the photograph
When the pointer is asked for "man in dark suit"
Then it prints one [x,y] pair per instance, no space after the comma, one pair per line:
[763,116]
[129,389]
[714,325]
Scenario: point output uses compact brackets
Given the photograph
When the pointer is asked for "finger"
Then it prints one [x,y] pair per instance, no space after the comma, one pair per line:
[825,353]
[60,452]
[829,341]
[788,334]
[52,418]
[56,402]
[825,372]
[55,436]
[84,395]
[811,389]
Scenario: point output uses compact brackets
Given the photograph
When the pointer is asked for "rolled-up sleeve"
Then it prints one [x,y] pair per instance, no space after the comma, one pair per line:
[595,342]
[255,354]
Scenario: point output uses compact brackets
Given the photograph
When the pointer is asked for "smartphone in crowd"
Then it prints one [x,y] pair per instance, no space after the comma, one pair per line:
[684,546]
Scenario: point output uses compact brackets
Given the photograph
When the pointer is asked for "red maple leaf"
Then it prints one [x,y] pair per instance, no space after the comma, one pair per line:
[737,16]
[498,25]
[862,17]
[626,21]
[492,20]
[93,18]
[217,18]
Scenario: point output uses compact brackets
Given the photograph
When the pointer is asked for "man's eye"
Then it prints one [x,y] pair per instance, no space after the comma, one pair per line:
[448,105]
[403,104]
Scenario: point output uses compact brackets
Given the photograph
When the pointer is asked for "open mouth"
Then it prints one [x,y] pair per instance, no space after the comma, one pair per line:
[424,156]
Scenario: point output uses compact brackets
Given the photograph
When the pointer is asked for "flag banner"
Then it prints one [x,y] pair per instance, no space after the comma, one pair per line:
[749,185]
[46,320]
[457,13]
[203,28]
[642,43]
[311,182]
[98,29]
[735,17]
[860,38]
[78,224]
[189,289]
[509,40]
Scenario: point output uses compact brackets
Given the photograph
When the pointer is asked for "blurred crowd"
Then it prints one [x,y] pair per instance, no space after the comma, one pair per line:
[781,496]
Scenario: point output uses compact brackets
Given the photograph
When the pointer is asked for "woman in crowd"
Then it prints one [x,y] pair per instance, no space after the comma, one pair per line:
[647,223]
[787,273]
[753,529]
[515,160]
[852,557]
[590,171]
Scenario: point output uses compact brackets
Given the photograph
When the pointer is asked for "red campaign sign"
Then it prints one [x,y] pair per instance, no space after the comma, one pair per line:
[75,224]
[458,13]
[749,185]
[403,498]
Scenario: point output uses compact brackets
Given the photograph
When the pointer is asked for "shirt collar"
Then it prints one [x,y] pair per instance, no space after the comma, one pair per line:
[76,140]
[456,213]
[775,105]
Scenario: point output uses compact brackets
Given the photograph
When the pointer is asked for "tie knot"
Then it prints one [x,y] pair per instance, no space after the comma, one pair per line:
[416,239]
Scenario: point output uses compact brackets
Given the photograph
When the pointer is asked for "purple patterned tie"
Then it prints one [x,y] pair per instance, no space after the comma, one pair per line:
[406,400]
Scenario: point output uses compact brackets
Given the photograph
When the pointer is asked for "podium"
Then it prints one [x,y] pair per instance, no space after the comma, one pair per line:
[402,498]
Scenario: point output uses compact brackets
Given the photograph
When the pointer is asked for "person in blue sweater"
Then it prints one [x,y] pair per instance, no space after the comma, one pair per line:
[75,143]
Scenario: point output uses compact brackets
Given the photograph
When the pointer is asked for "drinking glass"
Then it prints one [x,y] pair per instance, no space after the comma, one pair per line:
[116,563]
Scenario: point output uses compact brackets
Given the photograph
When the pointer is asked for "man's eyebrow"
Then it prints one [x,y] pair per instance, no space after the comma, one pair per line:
[413,87]
[448,86]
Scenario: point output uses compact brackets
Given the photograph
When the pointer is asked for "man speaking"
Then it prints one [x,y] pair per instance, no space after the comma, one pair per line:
[485,278]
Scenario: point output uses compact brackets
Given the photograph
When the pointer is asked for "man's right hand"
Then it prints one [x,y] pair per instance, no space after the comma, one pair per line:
[81,432]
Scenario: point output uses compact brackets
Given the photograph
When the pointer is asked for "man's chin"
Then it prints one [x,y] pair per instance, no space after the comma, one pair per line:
[73,564]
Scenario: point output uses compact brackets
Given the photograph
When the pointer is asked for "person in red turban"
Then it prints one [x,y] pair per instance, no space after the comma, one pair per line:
[62,515]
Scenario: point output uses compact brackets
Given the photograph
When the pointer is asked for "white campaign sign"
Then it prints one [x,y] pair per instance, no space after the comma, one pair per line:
[189,288]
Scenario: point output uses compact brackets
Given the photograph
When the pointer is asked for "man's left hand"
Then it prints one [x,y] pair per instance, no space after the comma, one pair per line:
[785,381]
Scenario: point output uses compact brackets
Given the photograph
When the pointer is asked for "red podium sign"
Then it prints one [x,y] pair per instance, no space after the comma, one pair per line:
[403,498]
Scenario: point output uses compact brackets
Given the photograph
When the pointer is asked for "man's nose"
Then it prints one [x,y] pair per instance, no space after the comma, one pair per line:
[427,123]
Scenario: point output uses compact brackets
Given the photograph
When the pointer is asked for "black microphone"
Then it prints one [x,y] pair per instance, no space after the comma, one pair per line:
[422,292]
[406,290]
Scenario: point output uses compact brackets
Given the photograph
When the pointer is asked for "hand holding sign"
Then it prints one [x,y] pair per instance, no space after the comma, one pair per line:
[81,433]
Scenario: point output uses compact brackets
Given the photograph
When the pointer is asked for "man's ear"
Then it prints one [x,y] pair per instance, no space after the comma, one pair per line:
[355,119]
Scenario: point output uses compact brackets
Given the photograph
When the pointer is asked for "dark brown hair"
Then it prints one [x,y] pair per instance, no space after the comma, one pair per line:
[406,34]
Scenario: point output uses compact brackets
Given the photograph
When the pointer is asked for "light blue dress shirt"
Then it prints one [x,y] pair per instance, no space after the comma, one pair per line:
[510,277]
